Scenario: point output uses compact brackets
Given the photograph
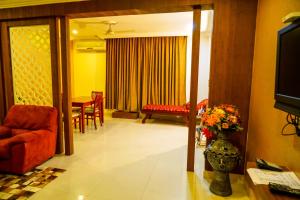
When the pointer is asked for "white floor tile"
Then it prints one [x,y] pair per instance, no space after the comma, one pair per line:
[127,160]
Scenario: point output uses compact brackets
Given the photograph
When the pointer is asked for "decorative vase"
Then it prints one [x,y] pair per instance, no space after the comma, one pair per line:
[223,157]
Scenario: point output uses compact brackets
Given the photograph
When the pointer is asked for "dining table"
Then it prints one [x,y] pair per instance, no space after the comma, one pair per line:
[82,102]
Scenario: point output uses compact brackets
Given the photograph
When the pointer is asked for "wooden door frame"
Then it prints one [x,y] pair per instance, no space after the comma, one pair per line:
[62,30]
[194,87]
[55,67]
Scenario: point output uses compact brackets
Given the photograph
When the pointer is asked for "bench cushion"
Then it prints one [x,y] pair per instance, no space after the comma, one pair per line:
[165,108]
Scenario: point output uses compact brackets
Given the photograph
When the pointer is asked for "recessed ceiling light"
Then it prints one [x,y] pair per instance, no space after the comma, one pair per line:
[74,31]
[80,197]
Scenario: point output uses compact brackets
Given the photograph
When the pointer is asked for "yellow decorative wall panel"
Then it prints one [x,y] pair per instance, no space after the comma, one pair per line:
[31,64]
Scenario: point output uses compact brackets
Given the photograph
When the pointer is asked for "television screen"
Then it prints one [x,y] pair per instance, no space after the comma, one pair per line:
[289,70]
[287,89]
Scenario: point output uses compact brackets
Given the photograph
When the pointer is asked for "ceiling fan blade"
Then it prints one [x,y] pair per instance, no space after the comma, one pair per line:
[98,37]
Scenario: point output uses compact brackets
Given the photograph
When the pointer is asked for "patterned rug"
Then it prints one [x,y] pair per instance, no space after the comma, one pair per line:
[14,187]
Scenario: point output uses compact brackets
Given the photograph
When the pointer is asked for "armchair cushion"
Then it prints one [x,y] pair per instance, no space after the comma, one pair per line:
[5,132]
[37,117]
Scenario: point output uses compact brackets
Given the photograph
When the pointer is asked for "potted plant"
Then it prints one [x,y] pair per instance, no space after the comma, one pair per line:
[220,122]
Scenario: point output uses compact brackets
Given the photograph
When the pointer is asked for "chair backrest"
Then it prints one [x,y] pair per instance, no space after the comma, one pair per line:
[32,117]
[94,93]
[202,104]
[98,102]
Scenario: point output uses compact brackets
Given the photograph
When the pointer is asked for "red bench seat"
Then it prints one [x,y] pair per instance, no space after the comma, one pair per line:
[183,111]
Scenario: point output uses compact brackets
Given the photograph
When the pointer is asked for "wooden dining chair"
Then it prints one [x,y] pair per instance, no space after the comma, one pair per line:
[94,93]
[76,115]
[95,111]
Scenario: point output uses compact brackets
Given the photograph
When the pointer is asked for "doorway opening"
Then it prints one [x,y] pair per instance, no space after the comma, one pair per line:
[89,50]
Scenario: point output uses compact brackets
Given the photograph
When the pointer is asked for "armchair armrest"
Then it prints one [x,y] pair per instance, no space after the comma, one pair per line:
[5,132]
[29,136]
[7,143]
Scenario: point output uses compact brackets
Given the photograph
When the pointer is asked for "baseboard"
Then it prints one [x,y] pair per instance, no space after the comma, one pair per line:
[125,115]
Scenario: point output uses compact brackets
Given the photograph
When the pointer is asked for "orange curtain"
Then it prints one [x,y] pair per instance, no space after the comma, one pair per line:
[144,71]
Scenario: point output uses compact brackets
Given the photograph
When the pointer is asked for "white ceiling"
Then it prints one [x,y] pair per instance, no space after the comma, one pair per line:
[20,3]
[163,24]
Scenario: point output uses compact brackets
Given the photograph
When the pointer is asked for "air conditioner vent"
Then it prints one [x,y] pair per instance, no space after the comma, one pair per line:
[90,45]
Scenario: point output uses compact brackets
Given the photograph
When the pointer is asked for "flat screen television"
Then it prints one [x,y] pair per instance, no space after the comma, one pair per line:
[287,81]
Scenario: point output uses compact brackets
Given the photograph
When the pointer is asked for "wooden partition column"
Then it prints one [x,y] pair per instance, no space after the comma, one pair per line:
[194,86]
[231,61]
[66,82]
[56,77]
[2,99]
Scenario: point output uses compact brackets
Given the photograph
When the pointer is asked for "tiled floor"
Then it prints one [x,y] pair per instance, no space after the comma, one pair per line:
[128,160]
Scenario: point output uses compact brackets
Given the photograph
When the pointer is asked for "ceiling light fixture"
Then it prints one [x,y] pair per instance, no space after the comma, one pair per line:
[74,31]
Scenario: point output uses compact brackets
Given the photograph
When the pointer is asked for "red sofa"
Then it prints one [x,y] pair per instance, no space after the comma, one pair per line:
[27,138]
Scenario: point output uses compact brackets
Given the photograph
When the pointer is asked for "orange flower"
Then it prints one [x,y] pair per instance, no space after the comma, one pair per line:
[212,120]
[229,109]
[225,125]
[233,119]
[224,116]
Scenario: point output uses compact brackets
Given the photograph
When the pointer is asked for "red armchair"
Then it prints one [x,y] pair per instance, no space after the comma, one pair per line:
[27,138]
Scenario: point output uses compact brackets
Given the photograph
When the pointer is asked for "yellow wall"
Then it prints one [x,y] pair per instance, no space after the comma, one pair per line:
[89,72]
[266,122]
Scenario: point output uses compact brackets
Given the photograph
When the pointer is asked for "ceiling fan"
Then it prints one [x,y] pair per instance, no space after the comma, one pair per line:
[110,24]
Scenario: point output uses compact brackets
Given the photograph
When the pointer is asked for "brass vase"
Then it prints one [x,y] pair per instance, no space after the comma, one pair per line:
[223,157]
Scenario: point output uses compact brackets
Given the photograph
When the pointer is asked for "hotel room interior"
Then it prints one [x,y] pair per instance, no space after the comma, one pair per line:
[160,100]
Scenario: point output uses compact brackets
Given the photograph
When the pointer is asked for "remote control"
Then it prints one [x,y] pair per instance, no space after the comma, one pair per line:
[284,189]
[262,164]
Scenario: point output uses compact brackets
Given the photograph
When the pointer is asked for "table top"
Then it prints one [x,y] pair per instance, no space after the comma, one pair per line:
[262,192]
[83,99]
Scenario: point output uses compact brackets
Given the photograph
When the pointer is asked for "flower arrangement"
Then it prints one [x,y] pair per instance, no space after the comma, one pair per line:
[219,118]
